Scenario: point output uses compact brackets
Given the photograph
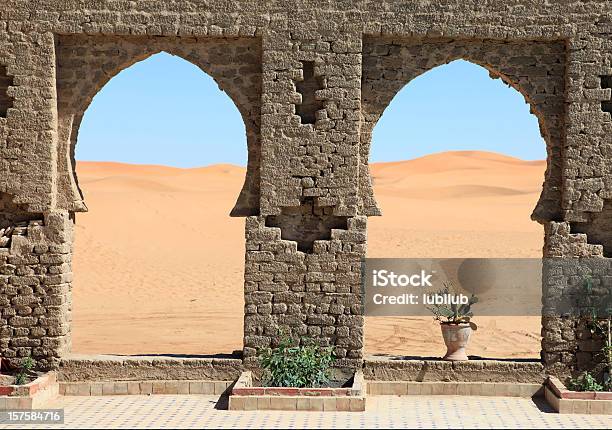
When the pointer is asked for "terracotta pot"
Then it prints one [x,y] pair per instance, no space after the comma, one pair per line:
[456,338]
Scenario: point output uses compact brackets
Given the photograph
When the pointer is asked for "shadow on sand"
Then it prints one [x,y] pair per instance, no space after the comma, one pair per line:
[471,357]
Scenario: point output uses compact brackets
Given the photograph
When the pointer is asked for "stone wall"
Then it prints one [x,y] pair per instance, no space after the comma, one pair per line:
[35,290]
[310,80]
[143,368]
[314,294]
[566,341]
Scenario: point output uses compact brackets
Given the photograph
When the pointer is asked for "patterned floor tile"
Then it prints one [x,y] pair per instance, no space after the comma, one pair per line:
[382,412]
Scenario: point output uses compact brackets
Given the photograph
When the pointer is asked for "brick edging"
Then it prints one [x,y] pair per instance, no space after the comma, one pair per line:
[115,388]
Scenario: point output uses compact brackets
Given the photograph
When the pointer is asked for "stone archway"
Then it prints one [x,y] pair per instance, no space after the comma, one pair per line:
[235,64]
[451,174]
[85,64]
[536,71]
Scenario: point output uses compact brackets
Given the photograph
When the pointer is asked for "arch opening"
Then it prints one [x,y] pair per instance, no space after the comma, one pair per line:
[234,64]
[161,155]
[457,162]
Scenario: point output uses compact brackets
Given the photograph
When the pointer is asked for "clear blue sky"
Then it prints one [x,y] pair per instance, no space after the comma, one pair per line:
[164,110]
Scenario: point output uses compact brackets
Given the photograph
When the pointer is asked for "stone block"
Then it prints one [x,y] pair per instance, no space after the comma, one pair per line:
[108,388]
[158,387]
[146,387]
[133,388]
[357,404]
[329,404]
[121,388]
[263,403]
[250,403]
[237,403]
[208,388]
[220,387]
[196,387]
[316,404]
[413,388]
[96,389]
[183,387]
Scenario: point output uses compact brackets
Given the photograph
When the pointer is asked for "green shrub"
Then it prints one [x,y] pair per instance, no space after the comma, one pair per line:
[23,374]
[585,382]
[305,366]
[597,311]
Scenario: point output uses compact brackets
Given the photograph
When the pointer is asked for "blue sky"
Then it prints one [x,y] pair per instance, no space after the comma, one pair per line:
[165,110]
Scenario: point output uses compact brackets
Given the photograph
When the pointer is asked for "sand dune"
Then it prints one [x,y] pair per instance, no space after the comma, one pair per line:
[158,262]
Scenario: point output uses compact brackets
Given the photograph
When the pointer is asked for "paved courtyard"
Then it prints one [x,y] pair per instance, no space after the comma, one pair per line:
[382,412]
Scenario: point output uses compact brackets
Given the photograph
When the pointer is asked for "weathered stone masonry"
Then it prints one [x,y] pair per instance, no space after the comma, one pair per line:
[311,79]
[536,69]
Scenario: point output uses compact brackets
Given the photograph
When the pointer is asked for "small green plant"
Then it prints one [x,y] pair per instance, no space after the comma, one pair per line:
[453,313]
[602,328]
[24,371]
[585,382]
[304,366]
[597,312]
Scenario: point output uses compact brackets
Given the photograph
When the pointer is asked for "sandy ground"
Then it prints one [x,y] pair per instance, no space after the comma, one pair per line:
[158,262]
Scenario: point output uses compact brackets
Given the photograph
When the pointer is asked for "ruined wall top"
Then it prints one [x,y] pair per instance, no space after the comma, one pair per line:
[318,159]
[492,18]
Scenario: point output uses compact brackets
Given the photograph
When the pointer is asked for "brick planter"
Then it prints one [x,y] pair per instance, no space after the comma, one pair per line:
[34,395]
[456,388]
[566,401]
[246,397]
[120,388]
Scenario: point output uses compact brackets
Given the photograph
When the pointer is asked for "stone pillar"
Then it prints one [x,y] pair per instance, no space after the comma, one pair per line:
[28,128]
[304,251]
[314,294]
[586,230]
[35,287]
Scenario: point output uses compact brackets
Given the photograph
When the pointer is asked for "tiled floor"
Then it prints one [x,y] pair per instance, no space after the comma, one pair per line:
[171,411]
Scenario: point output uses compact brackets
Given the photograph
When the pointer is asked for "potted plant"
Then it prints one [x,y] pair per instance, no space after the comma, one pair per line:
[455,321]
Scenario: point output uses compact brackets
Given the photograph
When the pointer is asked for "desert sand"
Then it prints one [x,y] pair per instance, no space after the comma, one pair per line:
[158,262]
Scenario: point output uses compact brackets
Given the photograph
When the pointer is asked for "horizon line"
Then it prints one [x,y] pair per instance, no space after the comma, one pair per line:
[370,162]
